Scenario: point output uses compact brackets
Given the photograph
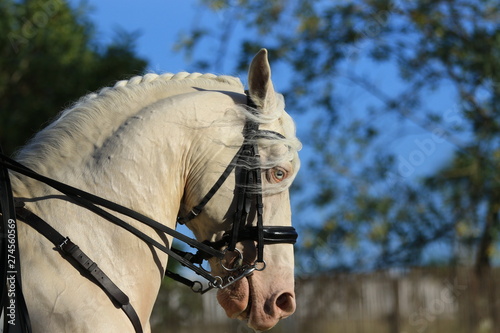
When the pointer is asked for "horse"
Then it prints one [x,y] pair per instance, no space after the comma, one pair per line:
[156,144]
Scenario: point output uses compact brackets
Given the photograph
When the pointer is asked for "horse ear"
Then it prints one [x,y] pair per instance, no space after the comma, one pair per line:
[259,81]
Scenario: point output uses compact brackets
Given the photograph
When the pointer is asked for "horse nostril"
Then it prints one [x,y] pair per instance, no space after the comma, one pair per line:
[286,303]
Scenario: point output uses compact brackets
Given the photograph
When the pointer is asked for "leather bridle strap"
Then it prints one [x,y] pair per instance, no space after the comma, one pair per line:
[270,235]
[91,201]
[82,263]
[248,189]
[199,207]
[82,197]
[79,258]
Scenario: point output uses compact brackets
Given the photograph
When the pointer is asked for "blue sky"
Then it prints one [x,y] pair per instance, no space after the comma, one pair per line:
[159,24]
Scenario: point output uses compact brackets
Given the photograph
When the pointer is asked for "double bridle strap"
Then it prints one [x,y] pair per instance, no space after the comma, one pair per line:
[83,263]
[248,195]
[248,190]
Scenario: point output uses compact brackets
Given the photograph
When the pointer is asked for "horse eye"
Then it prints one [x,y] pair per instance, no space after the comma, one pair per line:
[277,175]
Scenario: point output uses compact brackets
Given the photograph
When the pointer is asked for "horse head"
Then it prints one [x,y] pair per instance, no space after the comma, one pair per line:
[267,294]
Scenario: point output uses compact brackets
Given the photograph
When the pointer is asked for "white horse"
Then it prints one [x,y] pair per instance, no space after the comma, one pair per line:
[155,144]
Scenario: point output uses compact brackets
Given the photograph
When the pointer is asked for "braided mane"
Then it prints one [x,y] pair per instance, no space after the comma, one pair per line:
[80,129]
[107,109]
[171,79]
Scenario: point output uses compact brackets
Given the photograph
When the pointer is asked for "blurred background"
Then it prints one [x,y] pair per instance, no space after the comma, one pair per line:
[397,104]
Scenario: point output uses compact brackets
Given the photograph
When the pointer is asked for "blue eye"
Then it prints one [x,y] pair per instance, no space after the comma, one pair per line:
[277,175]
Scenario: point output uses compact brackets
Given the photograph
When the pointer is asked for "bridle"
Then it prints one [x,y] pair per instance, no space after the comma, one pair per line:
[248,196]
[248,202]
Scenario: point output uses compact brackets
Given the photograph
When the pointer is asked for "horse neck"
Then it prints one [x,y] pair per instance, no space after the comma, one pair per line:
[134,152]
[131,167]
[141,165]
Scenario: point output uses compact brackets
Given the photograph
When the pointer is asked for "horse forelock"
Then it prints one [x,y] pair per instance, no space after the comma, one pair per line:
[276,114]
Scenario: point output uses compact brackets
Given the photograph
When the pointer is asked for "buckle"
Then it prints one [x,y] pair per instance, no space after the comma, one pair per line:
[62,246]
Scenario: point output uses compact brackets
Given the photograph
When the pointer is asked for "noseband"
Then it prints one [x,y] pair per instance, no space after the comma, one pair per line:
[248,202]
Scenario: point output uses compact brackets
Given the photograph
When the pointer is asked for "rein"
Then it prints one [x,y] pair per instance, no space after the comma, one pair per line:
[248,195]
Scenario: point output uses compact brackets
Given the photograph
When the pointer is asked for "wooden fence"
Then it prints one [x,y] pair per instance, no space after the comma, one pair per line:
[426,300]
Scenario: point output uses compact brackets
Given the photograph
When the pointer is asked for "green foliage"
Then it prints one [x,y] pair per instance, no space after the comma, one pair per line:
[371,210]
[48,58]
